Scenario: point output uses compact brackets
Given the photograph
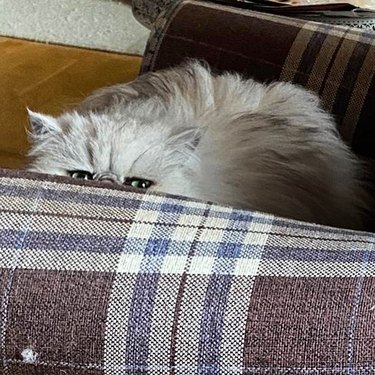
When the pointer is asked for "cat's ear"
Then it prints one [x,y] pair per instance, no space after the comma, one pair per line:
[42,124]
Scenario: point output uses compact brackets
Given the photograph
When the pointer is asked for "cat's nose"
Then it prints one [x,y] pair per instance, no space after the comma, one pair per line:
[107,180]
[106,177]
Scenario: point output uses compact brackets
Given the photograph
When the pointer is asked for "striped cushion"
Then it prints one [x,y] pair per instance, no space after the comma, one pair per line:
[97,280]
[336,62]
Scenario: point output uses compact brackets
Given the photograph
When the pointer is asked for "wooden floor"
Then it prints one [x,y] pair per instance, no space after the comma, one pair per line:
[49,78]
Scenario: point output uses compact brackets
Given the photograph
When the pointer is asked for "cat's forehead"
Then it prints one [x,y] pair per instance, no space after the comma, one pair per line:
[113,141]
[98,125]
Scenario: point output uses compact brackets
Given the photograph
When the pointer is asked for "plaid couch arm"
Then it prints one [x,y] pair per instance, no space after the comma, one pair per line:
[97,280]
[337,63]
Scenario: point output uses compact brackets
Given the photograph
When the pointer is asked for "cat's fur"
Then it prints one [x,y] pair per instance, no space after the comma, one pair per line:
[219,138]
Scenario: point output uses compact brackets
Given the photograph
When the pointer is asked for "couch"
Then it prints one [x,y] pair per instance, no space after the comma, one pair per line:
[101,280]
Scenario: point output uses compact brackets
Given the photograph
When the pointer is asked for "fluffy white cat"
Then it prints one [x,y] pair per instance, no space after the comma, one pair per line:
[221,138]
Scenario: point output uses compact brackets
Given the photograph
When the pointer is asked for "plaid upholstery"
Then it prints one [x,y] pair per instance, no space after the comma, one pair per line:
[147,12]
[99,280]
[337,63]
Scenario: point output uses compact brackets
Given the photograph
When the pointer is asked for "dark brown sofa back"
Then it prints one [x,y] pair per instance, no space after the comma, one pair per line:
[336,62]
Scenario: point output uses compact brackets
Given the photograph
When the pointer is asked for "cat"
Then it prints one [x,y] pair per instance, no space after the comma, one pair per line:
[219,138]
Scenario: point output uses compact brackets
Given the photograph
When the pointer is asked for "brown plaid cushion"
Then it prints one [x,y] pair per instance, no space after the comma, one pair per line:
[97,280]
[336,62]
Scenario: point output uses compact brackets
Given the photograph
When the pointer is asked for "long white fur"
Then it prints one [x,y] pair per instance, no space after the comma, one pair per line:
[219,138]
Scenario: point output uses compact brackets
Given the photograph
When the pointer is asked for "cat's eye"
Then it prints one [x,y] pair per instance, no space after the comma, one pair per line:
[82,175]
[139,183]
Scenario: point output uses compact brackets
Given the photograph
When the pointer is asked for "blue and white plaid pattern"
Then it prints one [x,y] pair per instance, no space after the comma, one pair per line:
[187,287]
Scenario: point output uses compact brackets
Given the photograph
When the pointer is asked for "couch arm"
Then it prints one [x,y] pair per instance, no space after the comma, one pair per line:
[336,62]
[97,280]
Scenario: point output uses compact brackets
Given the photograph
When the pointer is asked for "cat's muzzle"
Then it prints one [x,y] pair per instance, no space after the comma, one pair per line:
[106,177]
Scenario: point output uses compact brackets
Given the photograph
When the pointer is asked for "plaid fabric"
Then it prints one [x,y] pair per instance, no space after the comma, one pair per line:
[102,280]
[147,11]
[337,63]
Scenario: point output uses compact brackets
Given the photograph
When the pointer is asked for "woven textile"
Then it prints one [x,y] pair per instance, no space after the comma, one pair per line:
[337,63]
[109,281]
[147,11]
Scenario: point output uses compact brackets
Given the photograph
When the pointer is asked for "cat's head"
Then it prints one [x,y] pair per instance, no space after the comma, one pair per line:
[146,133]
[124,148]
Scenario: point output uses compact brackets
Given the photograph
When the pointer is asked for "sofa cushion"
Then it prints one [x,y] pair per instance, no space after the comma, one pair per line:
[337,63]
[97,279]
